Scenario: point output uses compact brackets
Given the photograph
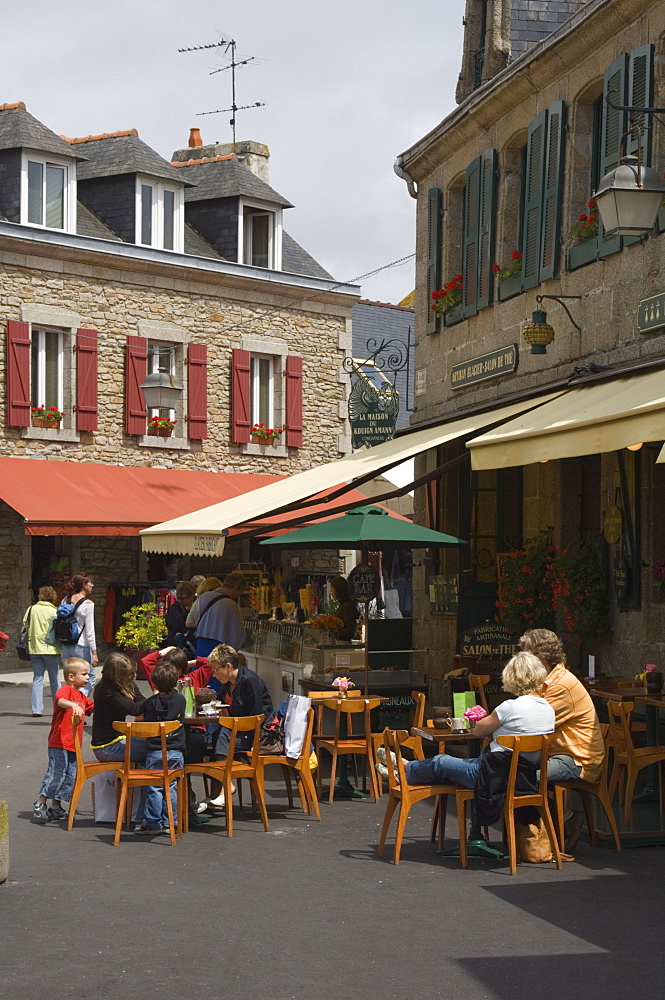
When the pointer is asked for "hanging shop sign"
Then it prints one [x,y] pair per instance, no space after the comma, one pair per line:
[613,524]
[374,399]
[490,639]
[621,580]
[364,583]
[491,365]
[651,313]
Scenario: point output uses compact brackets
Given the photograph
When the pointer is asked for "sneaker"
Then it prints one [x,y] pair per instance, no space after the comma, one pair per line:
[218,802]
[146,831]
[56,813]
[199,808]
[40,813]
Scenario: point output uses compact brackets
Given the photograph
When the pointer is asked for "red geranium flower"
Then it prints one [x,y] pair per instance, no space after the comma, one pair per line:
[495,267]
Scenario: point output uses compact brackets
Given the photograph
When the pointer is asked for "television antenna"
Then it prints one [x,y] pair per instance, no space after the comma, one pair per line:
[226,44]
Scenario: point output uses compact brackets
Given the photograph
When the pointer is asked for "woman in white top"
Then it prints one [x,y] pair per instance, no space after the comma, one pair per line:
[525,715]
[86,644]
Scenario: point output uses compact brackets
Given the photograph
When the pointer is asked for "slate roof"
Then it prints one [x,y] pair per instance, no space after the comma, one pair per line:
[533,20]
[124,154]
[227,178]
[295,260]
[197,246]
[87,224]
[19,129]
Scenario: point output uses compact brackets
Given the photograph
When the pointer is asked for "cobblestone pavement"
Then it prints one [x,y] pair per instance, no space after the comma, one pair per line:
[306,910]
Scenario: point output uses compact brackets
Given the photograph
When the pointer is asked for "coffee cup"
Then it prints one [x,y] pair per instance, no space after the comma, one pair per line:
[459,726]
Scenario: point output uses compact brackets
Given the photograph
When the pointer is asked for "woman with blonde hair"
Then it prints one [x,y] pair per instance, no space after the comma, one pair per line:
[528,714]
[116,696]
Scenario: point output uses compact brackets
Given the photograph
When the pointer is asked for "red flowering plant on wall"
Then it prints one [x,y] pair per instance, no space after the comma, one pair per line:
[448,296]
[266,433]
[586,227]
[542,584]
[515,267]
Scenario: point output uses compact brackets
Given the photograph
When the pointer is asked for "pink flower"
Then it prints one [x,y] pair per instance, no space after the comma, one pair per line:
[475,713]
[650,667]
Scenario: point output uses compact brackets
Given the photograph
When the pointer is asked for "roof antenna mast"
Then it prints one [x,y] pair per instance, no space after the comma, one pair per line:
[226,44]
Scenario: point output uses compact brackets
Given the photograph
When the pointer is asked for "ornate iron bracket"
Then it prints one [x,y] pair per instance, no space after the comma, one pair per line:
[559,299]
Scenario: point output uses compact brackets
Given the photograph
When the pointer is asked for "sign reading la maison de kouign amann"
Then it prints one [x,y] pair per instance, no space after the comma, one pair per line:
[500,362]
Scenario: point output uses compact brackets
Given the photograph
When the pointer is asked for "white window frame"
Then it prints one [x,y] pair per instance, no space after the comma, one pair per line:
[169,413]
[39,333]
[255,387]
[69,207]
[158,188]
[275,233]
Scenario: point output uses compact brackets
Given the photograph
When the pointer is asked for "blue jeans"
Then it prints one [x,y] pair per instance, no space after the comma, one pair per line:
[60,775]
[50,663]
[85,654]
[442,770]
[156,813]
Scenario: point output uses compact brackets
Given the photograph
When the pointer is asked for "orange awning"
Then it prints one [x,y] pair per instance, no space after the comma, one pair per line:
[61,498]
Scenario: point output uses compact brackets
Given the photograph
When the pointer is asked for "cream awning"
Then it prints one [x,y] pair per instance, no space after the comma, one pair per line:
[585,421]
[203,531]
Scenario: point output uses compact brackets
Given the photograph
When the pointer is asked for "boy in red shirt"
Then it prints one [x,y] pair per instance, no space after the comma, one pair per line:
[61,772]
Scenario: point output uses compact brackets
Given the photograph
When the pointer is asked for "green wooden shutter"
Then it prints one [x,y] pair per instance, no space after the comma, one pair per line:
[553,183]
[486,227]
[433,254]
[640,95]
[470,236]
[533,201]
[612,129]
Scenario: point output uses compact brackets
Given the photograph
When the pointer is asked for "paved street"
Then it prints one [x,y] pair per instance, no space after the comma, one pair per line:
[307,910]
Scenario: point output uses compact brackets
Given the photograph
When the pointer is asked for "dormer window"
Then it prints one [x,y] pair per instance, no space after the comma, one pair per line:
[47,196]
[261,236]
[159,214]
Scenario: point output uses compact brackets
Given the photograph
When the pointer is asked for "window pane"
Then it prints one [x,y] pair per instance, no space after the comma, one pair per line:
[146,214]
[51,368]
[260,240]
[169,219]
[34,369]
[35,192]
[55,197]
[265,378]
[162,359]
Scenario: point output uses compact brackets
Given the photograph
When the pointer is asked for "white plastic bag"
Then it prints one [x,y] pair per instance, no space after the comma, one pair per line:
[295,724]
[104,785]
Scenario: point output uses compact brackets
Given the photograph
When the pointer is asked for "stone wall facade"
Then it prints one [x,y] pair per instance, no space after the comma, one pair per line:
[570,68]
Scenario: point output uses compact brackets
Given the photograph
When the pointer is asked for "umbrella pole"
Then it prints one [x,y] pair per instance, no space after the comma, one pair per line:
[366,648]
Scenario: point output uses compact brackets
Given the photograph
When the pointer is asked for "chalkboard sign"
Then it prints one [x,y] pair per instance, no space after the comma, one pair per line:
[364,584]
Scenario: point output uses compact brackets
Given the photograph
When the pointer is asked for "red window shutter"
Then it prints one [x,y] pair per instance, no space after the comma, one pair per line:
[197,391]
[240,397]
[86,380]
[18,374]
[294,401]
[136,369]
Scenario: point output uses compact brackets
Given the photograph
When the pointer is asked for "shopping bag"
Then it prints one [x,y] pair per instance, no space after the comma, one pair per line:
[295,724]
[104,798]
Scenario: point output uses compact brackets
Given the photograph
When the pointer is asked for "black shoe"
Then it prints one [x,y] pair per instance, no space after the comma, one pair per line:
[572,830]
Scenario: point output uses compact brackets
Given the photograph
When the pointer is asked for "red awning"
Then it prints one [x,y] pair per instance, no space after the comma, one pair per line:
[64,498]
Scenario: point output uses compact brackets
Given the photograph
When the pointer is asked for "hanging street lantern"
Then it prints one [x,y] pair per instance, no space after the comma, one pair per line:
[161,391]
[538,332]
[629,197]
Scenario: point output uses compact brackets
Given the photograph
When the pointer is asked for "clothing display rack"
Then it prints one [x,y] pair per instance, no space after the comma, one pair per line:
[121,597]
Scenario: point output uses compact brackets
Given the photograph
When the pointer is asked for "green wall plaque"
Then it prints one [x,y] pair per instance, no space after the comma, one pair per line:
[651,313]
[491,365]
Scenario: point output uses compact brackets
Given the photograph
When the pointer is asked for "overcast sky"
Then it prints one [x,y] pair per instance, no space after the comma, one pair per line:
[348,85]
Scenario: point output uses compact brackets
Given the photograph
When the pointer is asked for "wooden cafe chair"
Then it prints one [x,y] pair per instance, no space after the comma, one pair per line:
[477,683]
[629,760]
[413,743]
[356,744]
[129,777]
[229,770]
[588,791]
[300,766]
[401,794]
[527,744]
[84,769]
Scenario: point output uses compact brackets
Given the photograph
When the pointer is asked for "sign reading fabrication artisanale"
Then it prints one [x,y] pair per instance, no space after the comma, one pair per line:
[490,365]
[486,640]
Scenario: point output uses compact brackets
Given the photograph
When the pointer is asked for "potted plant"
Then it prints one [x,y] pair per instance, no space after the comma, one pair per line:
[161,427]
[510,277]
[327,625]
[262,434]
[142,632]
[582,238]
[448,300]
[43,417]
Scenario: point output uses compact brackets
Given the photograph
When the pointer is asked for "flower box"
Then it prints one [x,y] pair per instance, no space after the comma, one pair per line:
[43,422]
[510,287]
[258,439]
[582,253]
[453,315]
[161,432]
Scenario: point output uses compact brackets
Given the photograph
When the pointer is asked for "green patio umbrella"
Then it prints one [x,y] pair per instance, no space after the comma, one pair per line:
[371,529]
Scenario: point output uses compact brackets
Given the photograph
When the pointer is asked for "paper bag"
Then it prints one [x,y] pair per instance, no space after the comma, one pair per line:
[104,798]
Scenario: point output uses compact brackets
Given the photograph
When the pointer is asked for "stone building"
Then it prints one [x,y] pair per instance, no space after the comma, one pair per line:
[503,184]
[116,263]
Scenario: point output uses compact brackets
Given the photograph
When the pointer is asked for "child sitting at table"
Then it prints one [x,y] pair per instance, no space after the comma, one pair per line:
[165,706]
[61,772]
[170,654]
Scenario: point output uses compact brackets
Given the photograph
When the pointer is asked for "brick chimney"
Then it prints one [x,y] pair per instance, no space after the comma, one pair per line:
[253,155]
[195,138]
